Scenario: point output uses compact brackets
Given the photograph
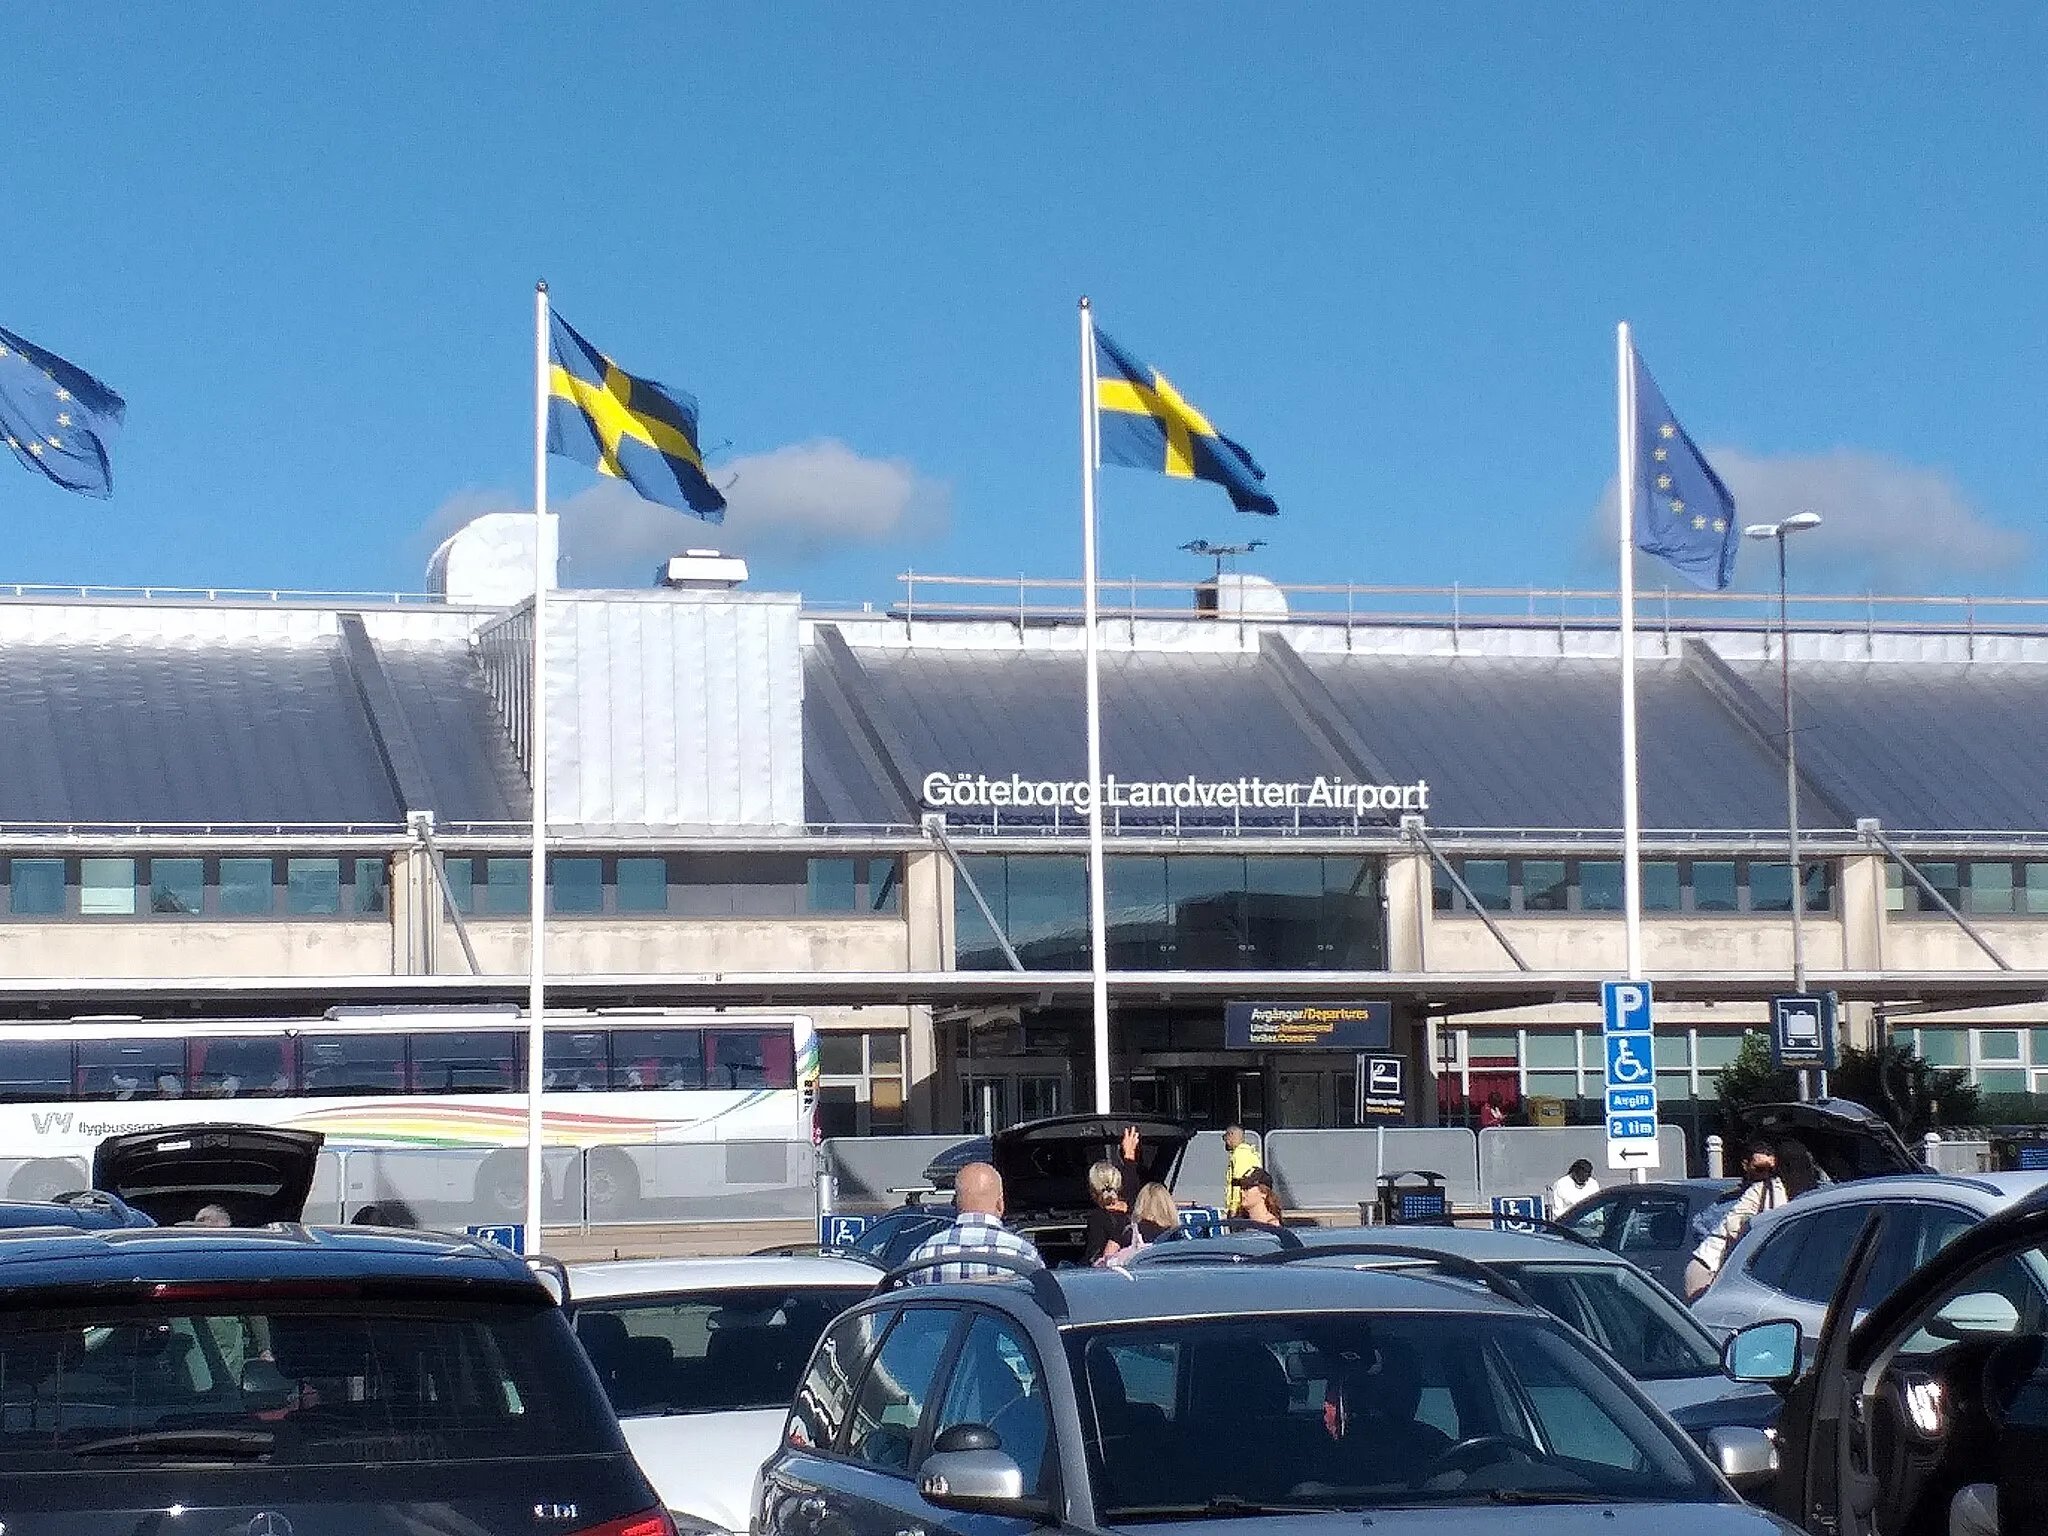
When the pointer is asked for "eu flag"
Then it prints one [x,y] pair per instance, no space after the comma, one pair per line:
[1141,420]
[633,429]
[1684,514]
[57,417]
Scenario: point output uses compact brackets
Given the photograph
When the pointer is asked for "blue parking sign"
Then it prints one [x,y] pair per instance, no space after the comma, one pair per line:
[510,1235]
[1630,1063]
[836,1231]
[1625,1007]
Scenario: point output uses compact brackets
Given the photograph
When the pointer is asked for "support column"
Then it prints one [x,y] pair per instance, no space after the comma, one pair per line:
[1863,935]
[928,923]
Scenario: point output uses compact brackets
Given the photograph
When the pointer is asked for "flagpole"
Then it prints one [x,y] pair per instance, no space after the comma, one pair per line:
[537,757]
[1098,935]
[1631,816]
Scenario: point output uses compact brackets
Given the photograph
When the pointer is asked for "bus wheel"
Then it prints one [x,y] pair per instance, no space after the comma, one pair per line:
[44,1179]
[612,1182]
[501,1184]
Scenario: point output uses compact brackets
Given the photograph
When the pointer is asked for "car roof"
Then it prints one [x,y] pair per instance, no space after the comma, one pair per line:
[661,1277]
[37,1259]
[1160,1292]
[1484,1245]
[1983,1192]
[18,1214]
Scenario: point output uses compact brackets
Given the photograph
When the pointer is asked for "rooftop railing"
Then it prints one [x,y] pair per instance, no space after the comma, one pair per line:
[1037,600]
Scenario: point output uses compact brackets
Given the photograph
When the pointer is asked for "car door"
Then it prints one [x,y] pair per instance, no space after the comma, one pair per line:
[1599,1219]
[997,1381]
[1655,1232]
[1827,1484]
[800,1492]
[869,1487]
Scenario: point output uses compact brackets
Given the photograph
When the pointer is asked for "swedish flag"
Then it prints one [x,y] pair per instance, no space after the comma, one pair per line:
[633,429]
[1141,420]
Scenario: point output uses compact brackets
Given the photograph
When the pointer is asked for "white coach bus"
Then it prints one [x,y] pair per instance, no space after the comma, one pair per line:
[624,1088]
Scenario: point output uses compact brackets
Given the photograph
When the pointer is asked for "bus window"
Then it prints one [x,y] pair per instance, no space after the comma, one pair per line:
[471,1062]
[241,1068]
[577,1063]
[353,1064]
[748,1059]
[32,1071]
[657,1058]
[131,1069]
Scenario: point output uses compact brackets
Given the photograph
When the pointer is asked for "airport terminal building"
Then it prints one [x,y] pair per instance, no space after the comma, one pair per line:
[269,806]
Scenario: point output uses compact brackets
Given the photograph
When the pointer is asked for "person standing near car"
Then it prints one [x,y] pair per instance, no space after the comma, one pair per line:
[1243,1158]
[1761,1191]
[1109,1223]
[1576,1185]
[977,1228]
[1261,1199]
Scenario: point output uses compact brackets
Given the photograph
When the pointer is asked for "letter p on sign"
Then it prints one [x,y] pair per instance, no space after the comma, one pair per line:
[1626,1007]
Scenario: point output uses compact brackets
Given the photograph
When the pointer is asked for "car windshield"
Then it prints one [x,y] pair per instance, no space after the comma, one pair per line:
[1232,1416]
[310,1384]
[720,1351]
[1631,1317]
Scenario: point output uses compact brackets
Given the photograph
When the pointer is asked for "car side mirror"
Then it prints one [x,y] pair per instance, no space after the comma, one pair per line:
[969,1471]
[1982,1314]
[1745,1456]
[1763,1352]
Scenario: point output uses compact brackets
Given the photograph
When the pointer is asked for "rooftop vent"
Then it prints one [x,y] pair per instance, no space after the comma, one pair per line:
[1239,595]
[702,570]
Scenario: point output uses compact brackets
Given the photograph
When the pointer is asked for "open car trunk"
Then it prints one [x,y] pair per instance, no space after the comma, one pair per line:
[257,1174]
[1846,1140]
[1045,1163]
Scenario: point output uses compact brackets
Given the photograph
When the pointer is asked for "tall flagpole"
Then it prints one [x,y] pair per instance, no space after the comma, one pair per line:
[537,757]
[1631,816]
[1098,935]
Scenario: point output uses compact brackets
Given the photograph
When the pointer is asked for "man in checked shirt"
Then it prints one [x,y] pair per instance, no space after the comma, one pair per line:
[977,1228]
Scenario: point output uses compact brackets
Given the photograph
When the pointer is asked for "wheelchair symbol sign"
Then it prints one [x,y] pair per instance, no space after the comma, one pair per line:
[1628,1061]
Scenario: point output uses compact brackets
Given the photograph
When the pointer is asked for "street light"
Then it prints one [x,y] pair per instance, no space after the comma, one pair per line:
[1798,522]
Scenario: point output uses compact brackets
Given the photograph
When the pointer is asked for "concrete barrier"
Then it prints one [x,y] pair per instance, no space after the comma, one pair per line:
[1333,1170]
[1521,1160]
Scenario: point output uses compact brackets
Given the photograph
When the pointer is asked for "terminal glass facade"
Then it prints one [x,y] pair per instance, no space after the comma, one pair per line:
[1177,912]
[1692,886]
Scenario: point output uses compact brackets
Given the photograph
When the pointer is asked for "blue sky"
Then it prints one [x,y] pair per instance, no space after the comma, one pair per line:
[1385,247]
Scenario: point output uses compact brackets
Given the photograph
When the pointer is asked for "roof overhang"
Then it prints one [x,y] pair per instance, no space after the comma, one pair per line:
[1469,992]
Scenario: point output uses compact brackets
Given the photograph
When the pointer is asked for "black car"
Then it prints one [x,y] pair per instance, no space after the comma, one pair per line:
[1044,1164]
[1931,1414]
[342,1382]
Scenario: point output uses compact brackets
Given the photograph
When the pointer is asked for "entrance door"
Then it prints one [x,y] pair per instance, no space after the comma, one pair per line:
[1209,1097]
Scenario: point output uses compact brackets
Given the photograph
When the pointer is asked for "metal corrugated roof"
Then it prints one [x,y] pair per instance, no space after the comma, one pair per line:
[143,730]
[1505,742]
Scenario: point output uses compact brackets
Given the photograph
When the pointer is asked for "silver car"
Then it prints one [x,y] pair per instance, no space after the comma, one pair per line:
[1645,1330]
[1788,1262]
[1280,1388]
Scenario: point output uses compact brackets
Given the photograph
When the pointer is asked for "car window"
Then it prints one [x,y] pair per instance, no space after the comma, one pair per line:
[1654,1224]
[1772,1262]
[296,1383]
[1913,1234]
[1593,1218]
[1633,1319]
[1576,1424]
[2019,1280]
[1357,1410]
[997,1382]
[886,1414]
[707,1351]
[819,1412]
[1816,1268]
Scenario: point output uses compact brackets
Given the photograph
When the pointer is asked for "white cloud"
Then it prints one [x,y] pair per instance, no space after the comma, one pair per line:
[1887,526]
[792,505]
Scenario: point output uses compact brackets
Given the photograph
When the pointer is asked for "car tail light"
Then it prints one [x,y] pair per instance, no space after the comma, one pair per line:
[649,1522]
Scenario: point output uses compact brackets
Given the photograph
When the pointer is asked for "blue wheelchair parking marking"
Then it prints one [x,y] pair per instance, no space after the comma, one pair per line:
[1629,1064]
[840,1231]
[511,1235]
[1529,1207]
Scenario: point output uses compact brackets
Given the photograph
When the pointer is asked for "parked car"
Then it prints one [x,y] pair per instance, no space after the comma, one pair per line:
[256,1173]
[287,1379]
[1643,1328]
[1787,1263]
[1188,1393]
[1937,1397]
[88,1209]
[1848,1141]
[700,1358]
[1044,1164]
[1650,1225]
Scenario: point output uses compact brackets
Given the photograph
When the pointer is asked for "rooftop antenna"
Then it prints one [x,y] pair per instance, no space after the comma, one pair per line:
[1222,552]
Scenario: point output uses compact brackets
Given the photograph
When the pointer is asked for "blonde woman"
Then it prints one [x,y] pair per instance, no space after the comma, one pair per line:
[1109,1224]
[1155,1213]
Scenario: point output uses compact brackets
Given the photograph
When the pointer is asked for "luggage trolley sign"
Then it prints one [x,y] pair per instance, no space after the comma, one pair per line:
[1629,1040]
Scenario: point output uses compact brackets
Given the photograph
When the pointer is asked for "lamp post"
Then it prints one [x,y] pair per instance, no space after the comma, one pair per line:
[1798,522]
